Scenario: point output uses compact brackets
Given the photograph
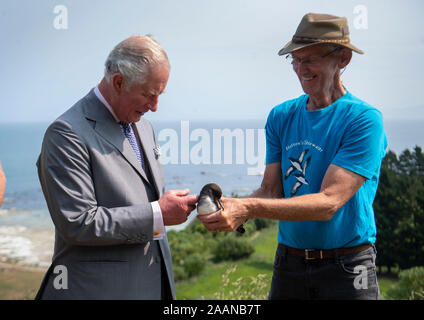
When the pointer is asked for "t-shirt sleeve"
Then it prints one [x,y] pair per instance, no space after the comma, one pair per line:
[273,141]
[363,145]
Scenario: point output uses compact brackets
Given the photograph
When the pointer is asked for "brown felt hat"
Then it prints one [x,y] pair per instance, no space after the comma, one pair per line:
[316,28]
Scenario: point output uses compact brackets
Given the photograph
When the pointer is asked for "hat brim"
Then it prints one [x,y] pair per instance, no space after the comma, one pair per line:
[294,46]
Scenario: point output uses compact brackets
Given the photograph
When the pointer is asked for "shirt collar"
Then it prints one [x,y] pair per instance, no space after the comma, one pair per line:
[105,103]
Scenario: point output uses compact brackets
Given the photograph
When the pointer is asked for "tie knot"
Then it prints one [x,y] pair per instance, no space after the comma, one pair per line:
[126,127]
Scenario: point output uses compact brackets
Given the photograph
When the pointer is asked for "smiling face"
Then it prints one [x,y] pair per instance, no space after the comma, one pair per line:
[131,104]
[318,70]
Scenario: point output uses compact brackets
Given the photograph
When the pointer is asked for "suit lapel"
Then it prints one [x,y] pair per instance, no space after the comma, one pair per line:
[106,126]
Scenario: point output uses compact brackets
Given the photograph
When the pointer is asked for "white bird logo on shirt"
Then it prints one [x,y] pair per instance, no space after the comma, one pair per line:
[299,167]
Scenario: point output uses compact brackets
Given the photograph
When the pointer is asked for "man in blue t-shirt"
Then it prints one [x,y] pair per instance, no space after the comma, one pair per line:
[324,151]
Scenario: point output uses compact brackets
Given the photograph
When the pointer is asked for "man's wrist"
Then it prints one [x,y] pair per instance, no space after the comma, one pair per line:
[248,206]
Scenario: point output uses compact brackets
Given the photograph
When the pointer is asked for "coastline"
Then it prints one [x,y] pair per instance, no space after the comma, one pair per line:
[25,245]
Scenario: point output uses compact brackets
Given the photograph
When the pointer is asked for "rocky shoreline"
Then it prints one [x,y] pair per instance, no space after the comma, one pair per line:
[26,247]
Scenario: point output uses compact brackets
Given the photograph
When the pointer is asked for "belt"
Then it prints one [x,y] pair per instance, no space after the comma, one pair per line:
[313,254]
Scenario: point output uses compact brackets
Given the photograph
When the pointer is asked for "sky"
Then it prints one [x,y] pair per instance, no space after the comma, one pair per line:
[223,54]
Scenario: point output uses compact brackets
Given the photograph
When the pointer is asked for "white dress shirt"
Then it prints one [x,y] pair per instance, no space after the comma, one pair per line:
[158,226]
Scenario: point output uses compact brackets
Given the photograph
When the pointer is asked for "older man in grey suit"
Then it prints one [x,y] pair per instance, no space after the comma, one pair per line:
[101,176]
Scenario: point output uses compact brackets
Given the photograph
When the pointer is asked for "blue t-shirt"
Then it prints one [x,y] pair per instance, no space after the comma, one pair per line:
[348,133]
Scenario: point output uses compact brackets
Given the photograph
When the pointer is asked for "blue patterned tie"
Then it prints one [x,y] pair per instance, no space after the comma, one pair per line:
[129,133]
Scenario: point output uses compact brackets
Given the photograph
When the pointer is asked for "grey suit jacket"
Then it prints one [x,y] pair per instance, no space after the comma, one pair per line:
[99,199]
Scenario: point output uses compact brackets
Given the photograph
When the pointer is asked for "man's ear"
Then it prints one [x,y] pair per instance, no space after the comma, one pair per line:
[345,57]
[118,83]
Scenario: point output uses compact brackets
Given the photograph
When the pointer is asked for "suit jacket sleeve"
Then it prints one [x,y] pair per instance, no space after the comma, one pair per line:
[65,174]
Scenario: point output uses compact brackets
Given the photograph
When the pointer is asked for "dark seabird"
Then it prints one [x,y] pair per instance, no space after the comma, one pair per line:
[209,201]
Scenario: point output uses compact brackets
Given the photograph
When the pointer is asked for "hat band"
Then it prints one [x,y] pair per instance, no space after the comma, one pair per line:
[297,39]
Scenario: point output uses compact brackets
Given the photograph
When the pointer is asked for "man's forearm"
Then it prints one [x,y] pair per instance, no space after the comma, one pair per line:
[315,206]
[311,207]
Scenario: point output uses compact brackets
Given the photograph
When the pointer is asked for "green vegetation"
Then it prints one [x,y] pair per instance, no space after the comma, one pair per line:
[410,285]
[247,278]
[399,211]
[244,288]
[232,248]
[194,246]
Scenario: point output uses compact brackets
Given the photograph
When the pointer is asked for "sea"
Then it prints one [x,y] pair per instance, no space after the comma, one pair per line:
[230,153]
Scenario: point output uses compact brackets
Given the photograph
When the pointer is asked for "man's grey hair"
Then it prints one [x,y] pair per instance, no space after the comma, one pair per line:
[133,59]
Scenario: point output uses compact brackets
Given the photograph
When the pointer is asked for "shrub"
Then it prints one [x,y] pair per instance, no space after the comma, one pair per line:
[410,285]
[231,248]
[262,223]
[193,265]
[179,273]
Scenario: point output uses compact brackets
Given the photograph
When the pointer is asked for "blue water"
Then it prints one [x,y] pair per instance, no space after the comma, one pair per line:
[20,146]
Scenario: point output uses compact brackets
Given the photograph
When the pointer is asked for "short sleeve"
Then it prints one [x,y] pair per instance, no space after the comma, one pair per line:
[273,141]
[363,145]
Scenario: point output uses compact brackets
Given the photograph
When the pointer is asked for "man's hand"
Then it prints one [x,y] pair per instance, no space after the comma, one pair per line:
[176,206]
[235,213]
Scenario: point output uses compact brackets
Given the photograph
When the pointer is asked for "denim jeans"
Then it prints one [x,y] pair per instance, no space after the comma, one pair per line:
[348,277]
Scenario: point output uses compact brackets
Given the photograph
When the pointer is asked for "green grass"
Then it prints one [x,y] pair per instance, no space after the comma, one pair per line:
[385,282]
[209,282]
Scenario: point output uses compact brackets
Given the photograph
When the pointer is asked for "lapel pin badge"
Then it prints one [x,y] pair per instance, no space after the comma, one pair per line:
[156,150]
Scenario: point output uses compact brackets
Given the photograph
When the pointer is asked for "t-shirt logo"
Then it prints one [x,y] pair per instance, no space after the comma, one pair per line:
[298,168]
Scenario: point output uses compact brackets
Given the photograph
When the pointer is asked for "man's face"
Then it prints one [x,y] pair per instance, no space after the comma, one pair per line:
[316,67]
[141,98]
